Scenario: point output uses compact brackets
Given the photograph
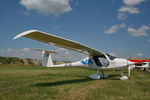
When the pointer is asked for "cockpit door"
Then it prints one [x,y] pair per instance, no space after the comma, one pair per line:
[101,61]
[97,61]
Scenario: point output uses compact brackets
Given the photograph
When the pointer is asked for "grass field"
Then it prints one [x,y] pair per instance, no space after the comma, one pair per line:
[39,83]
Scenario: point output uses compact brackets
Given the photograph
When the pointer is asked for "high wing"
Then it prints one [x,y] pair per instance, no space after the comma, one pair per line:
[59,41]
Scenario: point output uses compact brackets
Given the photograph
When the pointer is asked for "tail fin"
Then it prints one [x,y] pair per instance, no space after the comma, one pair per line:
[46,57]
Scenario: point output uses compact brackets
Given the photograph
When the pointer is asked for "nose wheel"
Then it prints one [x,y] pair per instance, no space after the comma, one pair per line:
[123,77]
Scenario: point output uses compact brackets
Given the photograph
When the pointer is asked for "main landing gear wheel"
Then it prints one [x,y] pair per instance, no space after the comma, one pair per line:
[94,76]
[97,76]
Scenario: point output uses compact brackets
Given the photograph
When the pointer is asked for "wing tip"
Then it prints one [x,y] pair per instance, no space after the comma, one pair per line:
[24,33]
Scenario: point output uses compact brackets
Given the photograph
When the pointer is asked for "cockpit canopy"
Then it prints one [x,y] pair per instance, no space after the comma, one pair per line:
[110,56]
[103,60]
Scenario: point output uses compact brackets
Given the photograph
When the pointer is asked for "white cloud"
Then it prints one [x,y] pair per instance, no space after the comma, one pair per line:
[66,52]
[25,50]
[122,25]
[142,31]
[122,16]
[129,7]
[132,2]
[114,28]
[113,54]
[61,50]
[140,55]
[55,7]
[9,50]
[130,10]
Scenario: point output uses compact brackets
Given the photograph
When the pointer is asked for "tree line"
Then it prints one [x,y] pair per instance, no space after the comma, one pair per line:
[16,60]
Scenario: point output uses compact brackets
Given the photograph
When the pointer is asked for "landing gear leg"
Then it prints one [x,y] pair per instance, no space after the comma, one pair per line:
[95,76]
[123,77]
[104,76]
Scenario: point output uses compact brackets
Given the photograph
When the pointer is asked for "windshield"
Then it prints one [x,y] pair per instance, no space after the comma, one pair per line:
[111,57]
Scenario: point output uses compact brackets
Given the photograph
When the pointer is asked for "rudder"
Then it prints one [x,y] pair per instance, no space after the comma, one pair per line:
[46,57]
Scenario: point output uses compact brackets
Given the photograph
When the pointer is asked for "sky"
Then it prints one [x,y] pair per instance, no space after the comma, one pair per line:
[118,27]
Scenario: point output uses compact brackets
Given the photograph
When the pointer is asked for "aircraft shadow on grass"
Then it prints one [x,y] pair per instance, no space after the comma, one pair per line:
[66,82]
[113,77]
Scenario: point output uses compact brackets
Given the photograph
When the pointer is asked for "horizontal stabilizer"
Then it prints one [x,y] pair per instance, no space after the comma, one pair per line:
[48,51]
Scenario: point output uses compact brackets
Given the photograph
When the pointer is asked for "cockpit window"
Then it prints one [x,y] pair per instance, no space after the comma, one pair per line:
[101,61]
[111,57]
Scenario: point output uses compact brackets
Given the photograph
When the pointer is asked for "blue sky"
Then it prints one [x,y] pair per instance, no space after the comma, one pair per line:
[119,27]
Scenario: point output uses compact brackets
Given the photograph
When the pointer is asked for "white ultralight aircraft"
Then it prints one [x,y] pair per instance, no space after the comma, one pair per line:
[96,59]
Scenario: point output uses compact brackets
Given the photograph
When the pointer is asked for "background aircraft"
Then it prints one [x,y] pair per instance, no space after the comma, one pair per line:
[95,59]
[141,64]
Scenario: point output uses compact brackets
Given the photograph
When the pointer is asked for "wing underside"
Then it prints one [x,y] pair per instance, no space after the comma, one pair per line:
[59,41]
